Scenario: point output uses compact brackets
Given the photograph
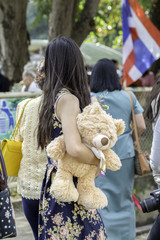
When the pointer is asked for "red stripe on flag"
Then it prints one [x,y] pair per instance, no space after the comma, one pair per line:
[129,80]
[126,80]
[130,61]
[153,31]
[134,34]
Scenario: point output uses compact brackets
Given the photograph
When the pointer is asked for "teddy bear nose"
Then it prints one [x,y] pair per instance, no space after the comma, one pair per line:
[104,141]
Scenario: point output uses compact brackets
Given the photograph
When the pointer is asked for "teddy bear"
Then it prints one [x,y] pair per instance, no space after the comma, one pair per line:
[99,131]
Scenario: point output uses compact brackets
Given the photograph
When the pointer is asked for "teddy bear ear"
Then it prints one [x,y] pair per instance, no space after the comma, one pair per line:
[95,108]
[120,125]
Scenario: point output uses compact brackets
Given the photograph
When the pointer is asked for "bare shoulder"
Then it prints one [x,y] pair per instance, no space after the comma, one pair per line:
[68,99]
[67,104]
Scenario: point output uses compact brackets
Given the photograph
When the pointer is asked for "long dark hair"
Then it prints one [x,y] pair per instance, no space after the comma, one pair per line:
[104,77]
[149,114]
[64,68]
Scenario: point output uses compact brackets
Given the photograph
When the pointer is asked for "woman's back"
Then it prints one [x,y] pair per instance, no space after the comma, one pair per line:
[119,215]
[33,163]
[120,107]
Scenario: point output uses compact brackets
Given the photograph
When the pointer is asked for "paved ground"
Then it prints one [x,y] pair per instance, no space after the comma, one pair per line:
[24,231]
[142,232]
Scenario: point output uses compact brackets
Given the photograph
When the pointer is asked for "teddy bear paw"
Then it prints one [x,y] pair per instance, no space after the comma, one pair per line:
[64,191]
[93,200]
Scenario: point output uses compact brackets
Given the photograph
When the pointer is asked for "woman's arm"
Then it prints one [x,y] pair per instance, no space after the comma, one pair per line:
[155,152]
[141,126]
[67,111]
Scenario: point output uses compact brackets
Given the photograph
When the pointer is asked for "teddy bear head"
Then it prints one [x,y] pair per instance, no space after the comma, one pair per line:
[97,128]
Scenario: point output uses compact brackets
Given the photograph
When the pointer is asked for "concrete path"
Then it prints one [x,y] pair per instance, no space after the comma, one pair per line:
[24,231]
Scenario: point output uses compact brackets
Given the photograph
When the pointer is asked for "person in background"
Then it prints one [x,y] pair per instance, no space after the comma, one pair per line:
[147,79]
[65,95]
[33,163]
[4,83]
[119,72]
[152,108]
[119,215]
[155,163]
[29,84]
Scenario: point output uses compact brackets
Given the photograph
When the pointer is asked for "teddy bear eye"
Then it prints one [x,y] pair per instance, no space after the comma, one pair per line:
[99,130]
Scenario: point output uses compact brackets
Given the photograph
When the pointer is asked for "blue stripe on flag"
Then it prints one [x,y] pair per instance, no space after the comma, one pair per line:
[125,26]
[143,56]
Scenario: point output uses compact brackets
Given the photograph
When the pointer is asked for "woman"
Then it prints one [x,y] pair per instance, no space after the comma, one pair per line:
[119,215]
[155,165]
[33,162]
[153,102]
[65,95]
[152,114]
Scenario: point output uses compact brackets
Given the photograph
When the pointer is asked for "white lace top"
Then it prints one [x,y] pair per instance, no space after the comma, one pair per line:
[33,163]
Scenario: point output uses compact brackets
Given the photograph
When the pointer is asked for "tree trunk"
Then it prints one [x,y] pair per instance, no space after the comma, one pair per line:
[64,19]
[13,38]
[60,21]
[85,23]
[155,13]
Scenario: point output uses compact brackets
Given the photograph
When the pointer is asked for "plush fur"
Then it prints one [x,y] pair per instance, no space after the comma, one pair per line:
[97,129]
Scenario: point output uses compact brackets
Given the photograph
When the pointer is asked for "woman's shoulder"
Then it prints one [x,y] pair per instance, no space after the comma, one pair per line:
[64,94]
[66,97]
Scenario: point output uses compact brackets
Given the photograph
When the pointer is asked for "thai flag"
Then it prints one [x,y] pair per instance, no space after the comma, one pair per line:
[141,41]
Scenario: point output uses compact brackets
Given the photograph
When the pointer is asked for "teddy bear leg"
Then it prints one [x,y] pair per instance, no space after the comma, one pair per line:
[90,196]
[63,188]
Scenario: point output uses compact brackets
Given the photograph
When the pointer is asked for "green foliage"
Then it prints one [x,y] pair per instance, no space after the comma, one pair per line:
[146,5]
[37,23]
[108,22]
[108,30]
[43,9]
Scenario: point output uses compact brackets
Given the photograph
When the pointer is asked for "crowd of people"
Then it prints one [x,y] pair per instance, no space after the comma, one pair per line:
[66,89]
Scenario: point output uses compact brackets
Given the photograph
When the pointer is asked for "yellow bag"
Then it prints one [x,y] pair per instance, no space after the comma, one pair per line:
[11,150]
[12,154]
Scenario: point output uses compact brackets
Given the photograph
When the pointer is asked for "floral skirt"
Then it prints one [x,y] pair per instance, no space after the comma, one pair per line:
[67,221]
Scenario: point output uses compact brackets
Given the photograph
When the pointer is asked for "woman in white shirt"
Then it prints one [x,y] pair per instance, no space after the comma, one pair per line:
[33,163]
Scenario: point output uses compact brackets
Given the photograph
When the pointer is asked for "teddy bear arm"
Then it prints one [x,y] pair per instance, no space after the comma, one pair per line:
[56,148]
[112,160]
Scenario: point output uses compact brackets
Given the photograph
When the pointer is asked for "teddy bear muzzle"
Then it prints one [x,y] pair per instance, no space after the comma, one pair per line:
[101,142]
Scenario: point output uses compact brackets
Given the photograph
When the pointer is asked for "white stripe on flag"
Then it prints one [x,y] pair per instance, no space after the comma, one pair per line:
[127,48]
[145,37]
[134,73]
[131,22]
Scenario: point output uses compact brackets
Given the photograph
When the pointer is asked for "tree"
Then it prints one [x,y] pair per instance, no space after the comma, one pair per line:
[72,18]
[155,13]
[105,24]
[108,24]
[66,18]
[13,38]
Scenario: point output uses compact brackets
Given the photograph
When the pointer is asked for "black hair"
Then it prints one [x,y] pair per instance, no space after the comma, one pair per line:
[114,61]
[104,77]
[64,68]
